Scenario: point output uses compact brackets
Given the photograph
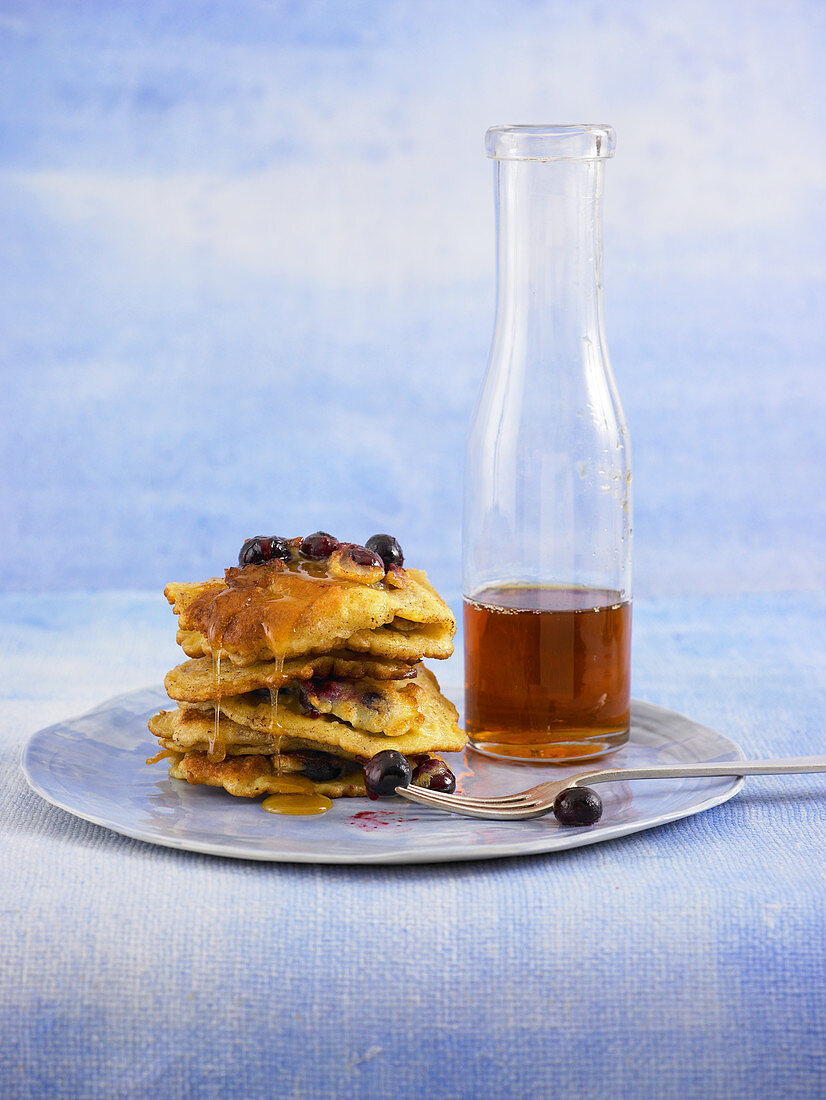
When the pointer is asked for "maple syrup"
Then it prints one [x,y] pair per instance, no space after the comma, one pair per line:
[297,805]
[296,796]
[163,754]
[217,748]
[261,603]
[274,723]
[547,671]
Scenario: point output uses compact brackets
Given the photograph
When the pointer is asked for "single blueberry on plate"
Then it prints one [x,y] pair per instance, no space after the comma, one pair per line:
[386,771]
[578,806]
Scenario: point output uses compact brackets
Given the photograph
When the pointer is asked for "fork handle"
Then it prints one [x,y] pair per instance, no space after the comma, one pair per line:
[791,766]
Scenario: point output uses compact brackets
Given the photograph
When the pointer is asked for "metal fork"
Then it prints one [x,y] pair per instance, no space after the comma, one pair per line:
[539,800]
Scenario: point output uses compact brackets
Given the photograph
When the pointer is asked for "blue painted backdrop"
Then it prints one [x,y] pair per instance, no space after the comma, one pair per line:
[247,274]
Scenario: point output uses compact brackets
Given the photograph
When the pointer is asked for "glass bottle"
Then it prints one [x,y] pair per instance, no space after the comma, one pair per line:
[547,494]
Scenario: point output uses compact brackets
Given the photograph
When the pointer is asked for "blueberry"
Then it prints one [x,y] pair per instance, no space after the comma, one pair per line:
[351,562]
[318,545]
[307,702]
[252,552]
[321,767]
[331,690]
[371,700]
[578,806]
[435,775]
[387,549]
[362,556]
[264,548]
[386,771]
[315,691]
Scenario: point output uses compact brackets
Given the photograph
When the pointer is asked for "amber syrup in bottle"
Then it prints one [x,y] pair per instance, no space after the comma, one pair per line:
[548,670]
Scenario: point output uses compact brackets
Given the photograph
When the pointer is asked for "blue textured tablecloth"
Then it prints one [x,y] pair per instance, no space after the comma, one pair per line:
[687,961]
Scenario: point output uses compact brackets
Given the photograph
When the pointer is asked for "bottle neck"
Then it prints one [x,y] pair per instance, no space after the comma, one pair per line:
[549,263]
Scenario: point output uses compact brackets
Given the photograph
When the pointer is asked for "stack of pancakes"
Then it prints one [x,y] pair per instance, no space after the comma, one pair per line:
[301,671]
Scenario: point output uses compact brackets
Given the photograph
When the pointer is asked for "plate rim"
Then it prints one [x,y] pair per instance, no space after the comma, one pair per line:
[578,839]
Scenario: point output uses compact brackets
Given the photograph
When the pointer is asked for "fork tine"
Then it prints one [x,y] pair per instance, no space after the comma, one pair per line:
[518,798]
[506,800]
[448,800]
[533,794]
[460,802]
[471,808]
[437,798]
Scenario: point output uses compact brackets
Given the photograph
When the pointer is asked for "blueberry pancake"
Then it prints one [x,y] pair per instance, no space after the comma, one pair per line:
[389,707]
[305,674]
[202,680]
[281,609]
[290,773]
[257,725]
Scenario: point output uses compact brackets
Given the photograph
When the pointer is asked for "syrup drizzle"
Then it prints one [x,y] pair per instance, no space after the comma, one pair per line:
[262,609]
[243,608]
[274,723]
[217,748]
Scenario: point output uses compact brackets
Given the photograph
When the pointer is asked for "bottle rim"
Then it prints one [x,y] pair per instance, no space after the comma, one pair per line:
[578,141]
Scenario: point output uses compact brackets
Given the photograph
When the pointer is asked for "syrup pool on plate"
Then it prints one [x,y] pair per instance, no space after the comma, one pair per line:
[299,805]
[296,797]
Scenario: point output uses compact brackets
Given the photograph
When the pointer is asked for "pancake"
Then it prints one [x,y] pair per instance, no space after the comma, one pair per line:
[396,642]
[202,680]
[418,707]
[391,643]
[277,610]
[246,726]
[304,668]
[251,776]
[374,706]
